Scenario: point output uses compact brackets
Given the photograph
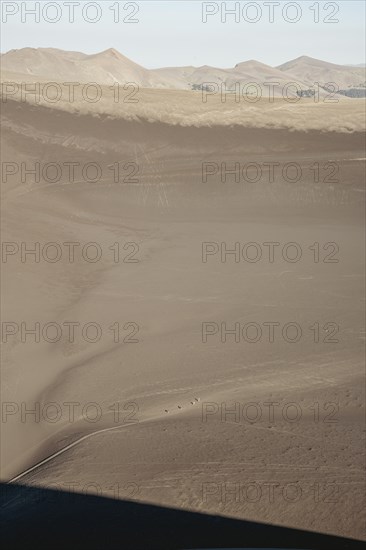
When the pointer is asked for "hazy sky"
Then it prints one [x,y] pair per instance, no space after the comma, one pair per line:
[173,33]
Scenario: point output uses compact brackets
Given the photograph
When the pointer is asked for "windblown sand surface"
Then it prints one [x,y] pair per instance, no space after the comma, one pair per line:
[192,109]
[162,448]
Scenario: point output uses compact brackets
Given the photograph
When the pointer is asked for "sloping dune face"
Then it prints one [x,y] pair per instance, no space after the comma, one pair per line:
[183,279]
[205,108]
[106,67]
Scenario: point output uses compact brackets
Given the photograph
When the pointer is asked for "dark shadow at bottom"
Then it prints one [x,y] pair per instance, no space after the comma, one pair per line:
[47,519]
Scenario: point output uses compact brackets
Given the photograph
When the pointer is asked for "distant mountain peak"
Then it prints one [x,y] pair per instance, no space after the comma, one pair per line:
[305,58]
[250,63]
[111,52]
